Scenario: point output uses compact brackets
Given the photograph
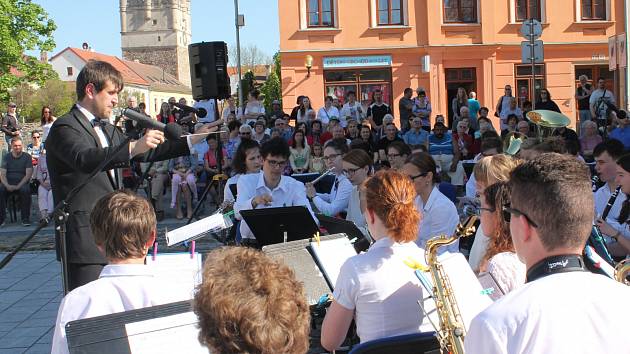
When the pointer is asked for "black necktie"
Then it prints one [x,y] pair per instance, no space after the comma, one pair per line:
[98,122]
[336,184]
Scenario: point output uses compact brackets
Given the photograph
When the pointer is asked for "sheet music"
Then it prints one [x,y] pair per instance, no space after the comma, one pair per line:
[331,254]
[180,271]
[187,232]
[170,334]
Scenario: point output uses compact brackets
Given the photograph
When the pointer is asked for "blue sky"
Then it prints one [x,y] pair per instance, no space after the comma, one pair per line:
[98,23]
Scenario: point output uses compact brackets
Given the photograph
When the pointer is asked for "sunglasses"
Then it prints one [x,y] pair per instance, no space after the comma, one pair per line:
[508,212]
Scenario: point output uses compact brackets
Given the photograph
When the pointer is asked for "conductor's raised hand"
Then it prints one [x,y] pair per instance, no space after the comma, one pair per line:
[204,129]
[150,140]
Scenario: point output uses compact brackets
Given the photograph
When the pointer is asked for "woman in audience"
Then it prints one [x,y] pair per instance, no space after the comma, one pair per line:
[316,163]
[314,135]
[246,160]
[302,112]
[439,214]
[258,306]
[259,133]
[329,112]
[544,101]
[183,184]
[210,165]
[254,107]
[357,166]
[376,288]
[166,115]
[489,170]
[366,142]
[46,121]
[44,190]
[300,152]
[397,153]
[589,139]
[500,259]
[459,101]
[464,140]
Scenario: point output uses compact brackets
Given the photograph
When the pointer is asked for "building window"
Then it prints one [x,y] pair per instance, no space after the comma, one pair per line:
[154,22]
[363,82]
[320,13]
[390,12]
[69,70]
[525,90]
[460,11]
[593,10]
[526,9]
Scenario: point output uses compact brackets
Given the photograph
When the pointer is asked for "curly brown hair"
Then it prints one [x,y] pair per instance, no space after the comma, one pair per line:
[257,306]
[497,195]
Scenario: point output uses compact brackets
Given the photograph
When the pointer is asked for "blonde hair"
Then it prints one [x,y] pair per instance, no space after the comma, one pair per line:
[493,169]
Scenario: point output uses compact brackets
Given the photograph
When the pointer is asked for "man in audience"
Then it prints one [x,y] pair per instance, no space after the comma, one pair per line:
[445,151]
[560,308]
[352,108]
[405,108]
[337,200]
[285,131]
[622,131]
[377,110]
[391,135]
[606,155]
[10,124]
[269,188]
[600,99]
[257,307]
[124,228]
[15,175]
[416,135]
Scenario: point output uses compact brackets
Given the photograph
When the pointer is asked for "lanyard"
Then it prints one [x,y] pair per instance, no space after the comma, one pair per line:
[554,265]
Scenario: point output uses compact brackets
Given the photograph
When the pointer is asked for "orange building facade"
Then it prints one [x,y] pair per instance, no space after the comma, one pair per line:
[440,45]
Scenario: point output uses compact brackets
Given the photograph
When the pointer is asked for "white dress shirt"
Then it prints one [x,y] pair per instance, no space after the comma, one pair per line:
[439,217]
[573,312]
[337,200]
[601,196]
[289,192]
[325,115]
[382,290]
[354,209]
[120,287]
[354,111]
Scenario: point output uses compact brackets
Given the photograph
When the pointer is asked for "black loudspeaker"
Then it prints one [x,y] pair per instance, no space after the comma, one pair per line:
[208,70]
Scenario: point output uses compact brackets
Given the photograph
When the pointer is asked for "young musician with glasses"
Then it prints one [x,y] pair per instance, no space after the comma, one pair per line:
[439,214]
[620,235]
[377,289]
[357,167]
[397,153]
[500,259]
[562,308]
[269,188]
[336,201]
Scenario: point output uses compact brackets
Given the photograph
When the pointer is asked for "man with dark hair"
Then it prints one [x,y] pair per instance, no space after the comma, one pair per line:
[377,110]
[560,308]
[124,228]
[337,200]
[269,188]
[78,142]
[10,124]
[405,108]
[599,101]
[606,154]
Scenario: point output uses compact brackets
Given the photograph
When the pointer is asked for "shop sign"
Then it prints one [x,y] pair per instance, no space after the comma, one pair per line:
[358,61]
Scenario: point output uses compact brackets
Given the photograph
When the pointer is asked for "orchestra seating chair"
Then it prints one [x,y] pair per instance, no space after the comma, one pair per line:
[406,344]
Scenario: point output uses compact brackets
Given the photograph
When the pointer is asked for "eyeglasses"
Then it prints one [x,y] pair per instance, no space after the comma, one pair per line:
[392,156]
[246,133]
[12,106]
[413,178]
[277,164]
[331,157]
[350,171]
[480,209]
[35,137]
[508,211]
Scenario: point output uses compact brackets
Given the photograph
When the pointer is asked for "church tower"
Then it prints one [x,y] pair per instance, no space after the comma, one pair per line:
[157,32]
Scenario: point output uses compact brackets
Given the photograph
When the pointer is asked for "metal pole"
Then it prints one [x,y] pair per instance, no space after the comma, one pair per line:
[238,57]
[532,52]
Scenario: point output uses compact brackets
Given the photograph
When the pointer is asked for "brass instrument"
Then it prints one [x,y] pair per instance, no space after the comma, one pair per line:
[622,271]
[452,331]
[547,122]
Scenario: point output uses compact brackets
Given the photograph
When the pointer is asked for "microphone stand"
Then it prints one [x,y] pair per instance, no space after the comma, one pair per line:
[61,214]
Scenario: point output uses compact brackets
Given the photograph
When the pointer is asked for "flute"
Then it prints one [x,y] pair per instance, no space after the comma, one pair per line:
[326,173]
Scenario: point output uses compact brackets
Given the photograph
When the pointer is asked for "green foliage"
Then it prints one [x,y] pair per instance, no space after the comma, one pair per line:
[276,65]
[272,90]
[24,26]
[248,83]
[56,94]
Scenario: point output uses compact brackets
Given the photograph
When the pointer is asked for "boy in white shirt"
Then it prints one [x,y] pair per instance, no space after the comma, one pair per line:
[124,227]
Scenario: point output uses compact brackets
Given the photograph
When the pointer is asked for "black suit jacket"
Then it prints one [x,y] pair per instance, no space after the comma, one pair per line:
[73,151]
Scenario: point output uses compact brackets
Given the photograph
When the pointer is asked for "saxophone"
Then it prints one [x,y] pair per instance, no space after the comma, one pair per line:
[622,270]
[451,332]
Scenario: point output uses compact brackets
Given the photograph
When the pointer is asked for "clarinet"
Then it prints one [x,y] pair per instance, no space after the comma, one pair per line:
[595,181]
[610,203]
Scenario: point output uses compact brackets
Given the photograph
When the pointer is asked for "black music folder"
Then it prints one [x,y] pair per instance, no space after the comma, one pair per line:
[341,226]
[109,334]
[269,225]
[324,185]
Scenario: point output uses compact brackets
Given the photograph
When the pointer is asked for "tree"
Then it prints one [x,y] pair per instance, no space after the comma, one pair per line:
[272,88]
[58,95]
[251,56]
[247,84]
[24,26]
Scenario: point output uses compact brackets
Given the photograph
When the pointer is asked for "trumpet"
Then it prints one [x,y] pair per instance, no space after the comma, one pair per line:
[326,173]
[622,270]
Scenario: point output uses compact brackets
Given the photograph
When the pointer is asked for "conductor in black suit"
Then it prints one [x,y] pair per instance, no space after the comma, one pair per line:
[78,142]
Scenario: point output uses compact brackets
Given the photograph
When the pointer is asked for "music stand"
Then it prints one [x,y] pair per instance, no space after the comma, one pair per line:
[350,229]
[269,225]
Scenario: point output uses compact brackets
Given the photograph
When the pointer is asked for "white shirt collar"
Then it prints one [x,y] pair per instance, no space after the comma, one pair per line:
[261,182]
[118,270]
[384,242]
[86,113]
[432,197]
